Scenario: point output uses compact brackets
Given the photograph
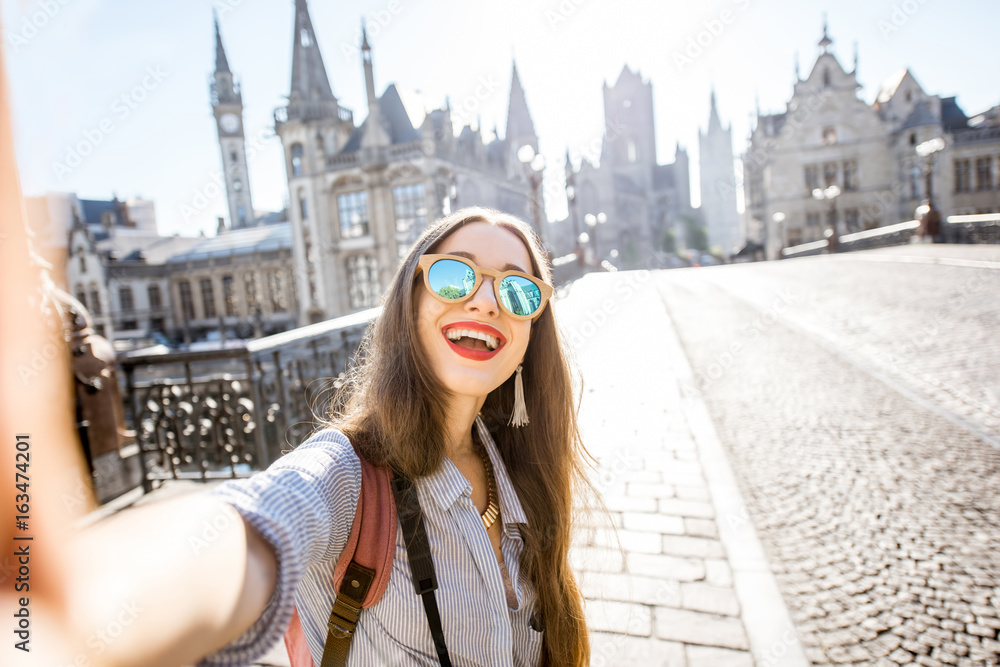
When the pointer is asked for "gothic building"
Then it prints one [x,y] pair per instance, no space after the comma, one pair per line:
[832,162]
[641,199]
[361,192]
[718,184]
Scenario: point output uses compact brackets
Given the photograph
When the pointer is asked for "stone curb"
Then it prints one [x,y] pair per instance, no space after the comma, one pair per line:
[770,631]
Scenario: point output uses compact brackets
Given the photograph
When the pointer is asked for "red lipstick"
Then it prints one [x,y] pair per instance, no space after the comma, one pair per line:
[477,355]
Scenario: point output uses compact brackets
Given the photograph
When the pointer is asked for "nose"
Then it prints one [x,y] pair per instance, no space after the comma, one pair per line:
[484,300]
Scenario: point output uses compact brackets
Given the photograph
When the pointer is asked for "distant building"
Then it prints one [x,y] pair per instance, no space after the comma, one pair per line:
[718,185]
[361,193]
[832,162]
[116,266]
[641,199]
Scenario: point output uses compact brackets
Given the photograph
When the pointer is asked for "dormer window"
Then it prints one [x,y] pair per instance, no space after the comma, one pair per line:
[826,77]
[83,261]
[909,96]
[296,159]
[829,136]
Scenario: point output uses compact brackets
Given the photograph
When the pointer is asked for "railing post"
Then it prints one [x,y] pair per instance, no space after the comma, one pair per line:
[258,416]
[279,377]
[134,402]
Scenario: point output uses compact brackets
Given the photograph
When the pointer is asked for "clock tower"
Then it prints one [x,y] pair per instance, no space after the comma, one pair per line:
[227,105]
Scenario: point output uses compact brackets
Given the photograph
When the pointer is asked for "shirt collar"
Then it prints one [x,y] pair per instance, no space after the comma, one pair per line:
[447,483]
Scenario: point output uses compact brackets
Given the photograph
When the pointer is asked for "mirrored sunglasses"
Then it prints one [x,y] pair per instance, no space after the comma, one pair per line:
[453,279]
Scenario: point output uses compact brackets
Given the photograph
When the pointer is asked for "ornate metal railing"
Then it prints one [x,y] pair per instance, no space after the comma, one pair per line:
[227,413]
[973,228]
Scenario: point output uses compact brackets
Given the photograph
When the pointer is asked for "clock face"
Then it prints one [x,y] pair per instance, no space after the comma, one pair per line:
[229,122]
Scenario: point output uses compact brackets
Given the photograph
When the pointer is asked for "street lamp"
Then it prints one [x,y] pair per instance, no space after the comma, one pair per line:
[830,194]
[592,221]
[779,218]
[534,164]
[929,217]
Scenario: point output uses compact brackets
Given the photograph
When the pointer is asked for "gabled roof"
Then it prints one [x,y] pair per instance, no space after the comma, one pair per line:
[396,121]
[268,238]
[94,209]
[952,116]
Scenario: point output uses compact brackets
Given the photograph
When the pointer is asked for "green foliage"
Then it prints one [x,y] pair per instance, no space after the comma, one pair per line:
[450,292]
[697,237]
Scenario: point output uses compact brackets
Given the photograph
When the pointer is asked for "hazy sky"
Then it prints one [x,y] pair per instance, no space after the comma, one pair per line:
[130,80]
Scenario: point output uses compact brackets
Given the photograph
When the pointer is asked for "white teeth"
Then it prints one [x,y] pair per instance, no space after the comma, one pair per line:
[492,342]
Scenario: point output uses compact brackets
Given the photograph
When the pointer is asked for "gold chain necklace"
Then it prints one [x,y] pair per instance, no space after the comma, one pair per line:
[489,517]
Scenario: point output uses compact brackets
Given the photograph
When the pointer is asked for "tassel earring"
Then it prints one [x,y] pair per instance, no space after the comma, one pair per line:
[520,416]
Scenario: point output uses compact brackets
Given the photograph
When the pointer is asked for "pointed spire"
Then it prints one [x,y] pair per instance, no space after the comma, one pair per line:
[366,58]
[309,79]
[825,42]
[221,63]
[713,113]
[519,124]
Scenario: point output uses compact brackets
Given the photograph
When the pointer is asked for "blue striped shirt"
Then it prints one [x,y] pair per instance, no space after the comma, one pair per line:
[304,504]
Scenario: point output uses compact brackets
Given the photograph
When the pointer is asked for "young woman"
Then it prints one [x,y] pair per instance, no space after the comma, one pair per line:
[462,387]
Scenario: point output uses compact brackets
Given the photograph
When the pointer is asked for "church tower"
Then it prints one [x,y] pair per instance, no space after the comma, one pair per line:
[629,132]
[520,129]
[227,105]
[718,183]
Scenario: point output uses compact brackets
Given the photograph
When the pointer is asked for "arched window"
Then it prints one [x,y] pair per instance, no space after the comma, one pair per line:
[81,295]
[297,153]
[83,261]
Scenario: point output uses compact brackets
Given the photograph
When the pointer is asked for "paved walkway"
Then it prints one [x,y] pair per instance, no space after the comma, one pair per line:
[690,585]
[683,580]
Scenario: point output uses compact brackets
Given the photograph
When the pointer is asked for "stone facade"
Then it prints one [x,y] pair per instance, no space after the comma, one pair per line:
[361,193]
[832,163]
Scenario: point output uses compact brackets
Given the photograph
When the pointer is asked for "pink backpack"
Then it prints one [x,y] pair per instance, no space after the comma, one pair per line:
[362,571]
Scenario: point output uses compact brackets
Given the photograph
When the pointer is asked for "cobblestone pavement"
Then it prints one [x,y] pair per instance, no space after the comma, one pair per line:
[879,513]
[666,597]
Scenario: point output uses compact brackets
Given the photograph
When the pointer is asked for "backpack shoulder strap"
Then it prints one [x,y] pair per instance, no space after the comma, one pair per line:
[362,572]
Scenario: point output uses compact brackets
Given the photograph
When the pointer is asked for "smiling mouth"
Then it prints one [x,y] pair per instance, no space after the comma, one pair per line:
[473,340]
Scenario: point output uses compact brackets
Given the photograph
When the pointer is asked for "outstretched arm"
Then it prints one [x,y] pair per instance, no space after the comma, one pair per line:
[168,583]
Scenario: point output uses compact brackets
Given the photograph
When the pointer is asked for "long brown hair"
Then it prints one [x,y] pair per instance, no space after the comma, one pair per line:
[393,407]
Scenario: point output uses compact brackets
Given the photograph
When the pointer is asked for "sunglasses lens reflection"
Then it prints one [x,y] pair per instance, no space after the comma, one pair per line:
[451,279]
[519,295]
